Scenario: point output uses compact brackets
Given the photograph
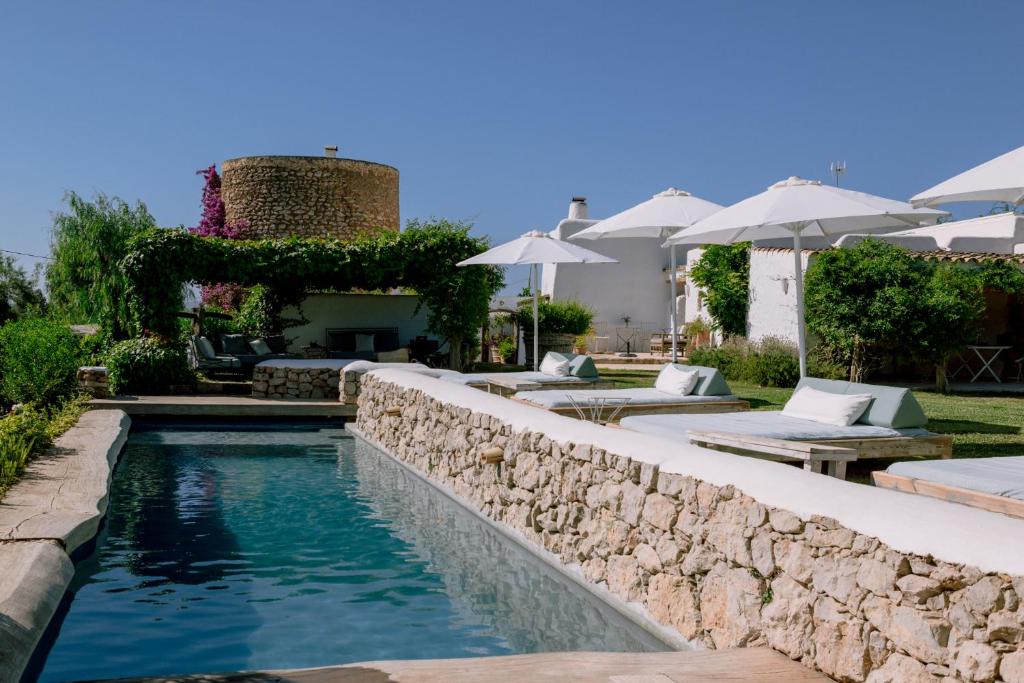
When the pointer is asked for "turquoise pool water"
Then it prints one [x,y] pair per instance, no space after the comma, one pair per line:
[238,548]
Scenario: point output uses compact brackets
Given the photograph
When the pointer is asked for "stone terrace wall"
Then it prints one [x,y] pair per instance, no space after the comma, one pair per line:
[718,566]
[276,382]
[282,196]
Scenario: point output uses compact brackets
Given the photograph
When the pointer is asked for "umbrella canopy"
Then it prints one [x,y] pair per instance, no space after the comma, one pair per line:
[536,247]
[532,249]
[660,216]
[795,207]
[998,180]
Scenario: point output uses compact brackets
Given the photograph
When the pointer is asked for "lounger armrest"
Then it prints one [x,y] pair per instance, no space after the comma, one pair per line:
[800,450]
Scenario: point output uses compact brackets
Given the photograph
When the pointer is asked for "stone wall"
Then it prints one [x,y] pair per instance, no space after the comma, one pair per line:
[94,381]
[283,196]
[718,566]
[275,382]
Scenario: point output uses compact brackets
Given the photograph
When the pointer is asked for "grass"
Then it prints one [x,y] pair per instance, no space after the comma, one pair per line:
[981,426]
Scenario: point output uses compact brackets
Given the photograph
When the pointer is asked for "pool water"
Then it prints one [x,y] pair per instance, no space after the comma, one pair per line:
[233,548]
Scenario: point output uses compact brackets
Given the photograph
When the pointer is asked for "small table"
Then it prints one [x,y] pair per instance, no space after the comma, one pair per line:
[592,408]
[507,386]
[987,355]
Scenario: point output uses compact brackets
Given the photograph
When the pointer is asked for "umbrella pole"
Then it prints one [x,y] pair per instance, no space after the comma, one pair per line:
[672,305]
[536,321]
[798,281]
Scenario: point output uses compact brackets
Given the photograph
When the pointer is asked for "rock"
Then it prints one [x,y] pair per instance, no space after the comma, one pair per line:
[835,576]
[659,511]
[875,576]
[648,558]
[839,646]
[901,669]
[730,606]
[668,551]
[787,618]
[919,634]
[985,596]
[1005,626]
[785,522]
[976,661]
[795,559]
[1011,668]
[632,503]
[672,601]
[761,554]
[918,588]
[624,577]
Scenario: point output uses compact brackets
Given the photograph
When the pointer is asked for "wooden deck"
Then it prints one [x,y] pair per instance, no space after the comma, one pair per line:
[753,665]
[221,405]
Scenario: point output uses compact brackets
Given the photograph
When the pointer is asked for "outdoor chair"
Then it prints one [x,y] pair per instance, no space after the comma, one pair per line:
[994,484]
[204,358]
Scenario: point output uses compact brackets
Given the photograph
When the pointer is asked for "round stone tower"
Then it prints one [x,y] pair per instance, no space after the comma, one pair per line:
[285,196]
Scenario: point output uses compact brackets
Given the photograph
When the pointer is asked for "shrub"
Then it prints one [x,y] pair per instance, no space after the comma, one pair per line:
[146,365]
[774,363]
[27,432]
[556,317]
[38,360]
[730,358]
[259,315]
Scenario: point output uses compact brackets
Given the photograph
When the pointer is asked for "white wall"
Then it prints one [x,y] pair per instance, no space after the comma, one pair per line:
[356,310]
[636,286]
[772,294]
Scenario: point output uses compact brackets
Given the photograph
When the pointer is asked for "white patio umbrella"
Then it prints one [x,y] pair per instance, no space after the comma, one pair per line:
[997,180]
[662,215]
[796,207]
[533,249]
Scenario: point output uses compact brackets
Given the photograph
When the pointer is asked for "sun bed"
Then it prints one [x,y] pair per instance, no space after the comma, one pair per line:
[582,373]
[711,395]
[995,484]
[893,425]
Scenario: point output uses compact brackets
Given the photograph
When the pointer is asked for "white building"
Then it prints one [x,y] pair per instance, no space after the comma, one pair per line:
[634,289]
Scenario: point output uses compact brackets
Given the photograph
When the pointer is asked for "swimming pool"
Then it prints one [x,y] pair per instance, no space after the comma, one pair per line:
[232,547]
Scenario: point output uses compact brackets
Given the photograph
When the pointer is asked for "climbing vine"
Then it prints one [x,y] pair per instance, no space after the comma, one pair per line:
[422,258]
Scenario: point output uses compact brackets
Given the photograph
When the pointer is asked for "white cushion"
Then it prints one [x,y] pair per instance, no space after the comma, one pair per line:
[364,342]
[841,410]
[672,380]
[554,367]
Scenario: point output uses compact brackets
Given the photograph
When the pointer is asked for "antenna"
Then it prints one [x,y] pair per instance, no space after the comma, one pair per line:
[837,168]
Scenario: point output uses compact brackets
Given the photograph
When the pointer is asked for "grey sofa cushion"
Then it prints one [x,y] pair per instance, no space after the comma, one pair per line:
[893,407]
[710,382]
[234,344]
[770,424]
[579,365]
[205,348]
[559,398]
[997,476]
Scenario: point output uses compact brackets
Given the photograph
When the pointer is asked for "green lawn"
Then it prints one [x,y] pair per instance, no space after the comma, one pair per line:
[980,425]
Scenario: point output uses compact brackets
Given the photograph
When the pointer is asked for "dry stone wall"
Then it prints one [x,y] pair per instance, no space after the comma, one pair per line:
[277,382]
[283,196]
[721,568]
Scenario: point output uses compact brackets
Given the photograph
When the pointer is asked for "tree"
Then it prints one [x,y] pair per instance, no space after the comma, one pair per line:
[18,293]
[723,272]
[85,280]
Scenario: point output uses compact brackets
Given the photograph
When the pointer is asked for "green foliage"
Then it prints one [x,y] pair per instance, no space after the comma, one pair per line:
[771,362]
[723,272]
[507,349]
[556,317]
[259,314]
[85,280]
[774,363]
[877,298]
[147,365]
[730,357]
[18,293]
[25,433]
[38,360]
[422,258]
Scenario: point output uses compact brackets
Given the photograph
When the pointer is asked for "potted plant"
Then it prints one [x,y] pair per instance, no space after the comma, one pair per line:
[559,324]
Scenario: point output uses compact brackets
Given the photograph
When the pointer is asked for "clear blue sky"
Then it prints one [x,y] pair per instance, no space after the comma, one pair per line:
[499,112]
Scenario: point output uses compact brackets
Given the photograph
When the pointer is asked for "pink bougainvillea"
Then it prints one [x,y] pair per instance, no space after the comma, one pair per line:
[213,223]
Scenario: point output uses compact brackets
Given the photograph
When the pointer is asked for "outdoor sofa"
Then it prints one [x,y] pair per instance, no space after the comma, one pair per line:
[582,374]
[892,426]
[234,353]
[711,394]
[994,484]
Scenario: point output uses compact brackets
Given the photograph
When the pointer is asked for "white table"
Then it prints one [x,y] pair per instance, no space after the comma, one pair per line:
[987,355]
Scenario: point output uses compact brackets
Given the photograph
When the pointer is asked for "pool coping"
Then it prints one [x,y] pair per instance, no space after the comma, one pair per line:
[633,611]
[54,509]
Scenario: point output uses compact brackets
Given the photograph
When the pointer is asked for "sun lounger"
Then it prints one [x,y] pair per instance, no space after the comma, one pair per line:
[893,425]
[995,484]
[711,395]
[582,374]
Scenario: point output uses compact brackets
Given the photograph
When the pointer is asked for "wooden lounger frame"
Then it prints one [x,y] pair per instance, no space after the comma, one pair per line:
[952,494]
[632,409]
[541,386]
[813,455]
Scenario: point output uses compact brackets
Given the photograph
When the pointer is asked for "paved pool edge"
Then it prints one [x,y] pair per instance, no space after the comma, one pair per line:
[634,612]
[54,509]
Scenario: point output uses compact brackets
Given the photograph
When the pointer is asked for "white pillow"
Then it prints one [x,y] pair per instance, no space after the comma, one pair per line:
[841,410]
[672,380]
[554,367]
[364,342]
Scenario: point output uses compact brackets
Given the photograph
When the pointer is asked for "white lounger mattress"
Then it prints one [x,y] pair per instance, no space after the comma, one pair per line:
[997,476]
[769,424]
[540,377]
[559,398]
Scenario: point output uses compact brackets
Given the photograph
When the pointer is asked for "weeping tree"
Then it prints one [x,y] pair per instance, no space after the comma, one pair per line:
[85,280]
[18,291]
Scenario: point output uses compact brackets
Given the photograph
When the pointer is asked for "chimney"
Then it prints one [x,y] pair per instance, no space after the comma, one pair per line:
[331,151]
[578,208]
